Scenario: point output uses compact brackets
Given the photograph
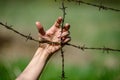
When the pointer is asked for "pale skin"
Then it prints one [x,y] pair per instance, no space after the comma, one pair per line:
[44,51]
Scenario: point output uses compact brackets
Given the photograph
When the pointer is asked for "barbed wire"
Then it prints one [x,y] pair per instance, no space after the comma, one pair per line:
[28,37]
[83,48]
[104,49]
[63,8]
[99,6]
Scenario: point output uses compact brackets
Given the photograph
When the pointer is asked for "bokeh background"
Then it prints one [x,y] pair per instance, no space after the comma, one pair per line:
[89,27]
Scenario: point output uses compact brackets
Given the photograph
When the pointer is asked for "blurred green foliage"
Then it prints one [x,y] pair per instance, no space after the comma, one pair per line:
[88,26]
[51,72]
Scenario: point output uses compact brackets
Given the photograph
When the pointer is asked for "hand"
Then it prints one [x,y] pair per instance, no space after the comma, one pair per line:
[54,35]
[42,55]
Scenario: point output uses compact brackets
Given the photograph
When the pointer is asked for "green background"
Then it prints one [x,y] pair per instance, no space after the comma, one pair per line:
[89,27]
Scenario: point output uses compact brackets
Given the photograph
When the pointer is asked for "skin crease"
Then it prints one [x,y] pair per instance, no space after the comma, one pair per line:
[45,51]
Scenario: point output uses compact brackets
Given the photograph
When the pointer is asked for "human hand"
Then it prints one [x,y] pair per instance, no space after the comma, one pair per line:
[54,34]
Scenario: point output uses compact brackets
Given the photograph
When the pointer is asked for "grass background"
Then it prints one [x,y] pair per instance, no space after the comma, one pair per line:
[89,26]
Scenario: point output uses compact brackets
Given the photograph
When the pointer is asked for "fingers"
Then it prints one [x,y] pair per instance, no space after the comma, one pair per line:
[64,34]
[55,27]
[58,22]
[66,27]
[40,28]
[55,33]
[67,40]
[65,37]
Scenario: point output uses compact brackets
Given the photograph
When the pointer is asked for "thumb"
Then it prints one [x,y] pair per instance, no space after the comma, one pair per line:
[40,28]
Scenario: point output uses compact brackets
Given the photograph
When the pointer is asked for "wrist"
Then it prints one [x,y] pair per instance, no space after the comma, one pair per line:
[42,52]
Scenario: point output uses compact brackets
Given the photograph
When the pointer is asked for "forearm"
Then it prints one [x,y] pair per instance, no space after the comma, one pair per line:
[35,67]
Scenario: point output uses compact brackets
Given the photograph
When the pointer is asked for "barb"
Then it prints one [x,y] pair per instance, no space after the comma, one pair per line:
[63,8]
[95,5]
[93,48]
[28,37]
